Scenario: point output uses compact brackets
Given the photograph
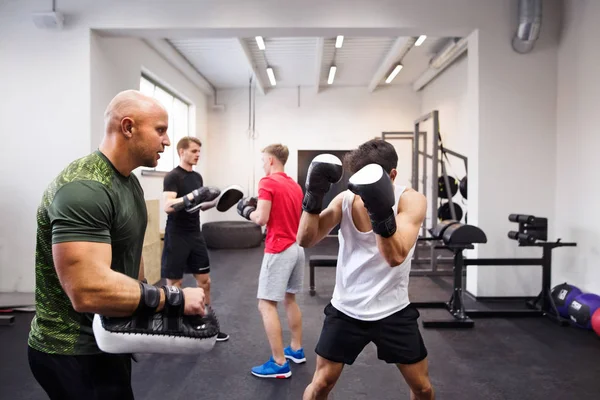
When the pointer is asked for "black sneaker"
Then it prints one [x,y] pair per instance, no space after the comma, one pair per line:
[222,337]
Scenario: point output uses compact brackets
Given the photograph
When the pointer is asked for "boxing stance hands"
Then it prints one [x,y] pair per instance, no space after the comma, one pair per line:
[375,188]
[324,170]
[247,206]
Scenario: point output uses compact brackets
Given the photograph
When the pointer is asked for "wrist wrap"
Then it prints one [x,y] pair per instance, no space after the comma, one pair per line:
[174,306]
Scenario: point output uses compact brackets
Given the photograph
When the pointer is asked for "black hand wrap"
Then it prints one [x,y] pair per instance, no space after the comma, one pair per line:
[174,306]
[188,204]
[313,202]
[149,301]
[385,226]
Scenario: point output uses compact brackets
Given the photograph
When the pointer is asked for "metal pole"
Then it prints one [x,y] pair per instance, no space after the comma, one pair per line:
[425,171]
[415,159]
[424,117]
[435,165]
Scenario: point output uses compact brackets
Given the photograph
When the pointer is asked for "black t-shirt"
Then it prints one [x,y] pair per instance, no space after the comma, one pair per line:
[183,182]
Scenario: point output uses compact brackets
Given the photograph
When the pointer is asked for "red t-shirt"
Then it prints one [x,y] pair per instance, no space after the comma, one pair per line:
[286,197]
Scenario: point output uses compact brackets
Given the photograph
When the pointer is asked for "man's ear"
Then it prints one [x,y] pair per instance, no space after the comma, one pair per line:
[127,127]
[393,173]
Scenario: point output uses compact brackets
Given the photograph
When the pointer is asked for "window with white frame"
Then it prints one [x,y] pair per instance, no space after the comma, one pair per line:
[179,124]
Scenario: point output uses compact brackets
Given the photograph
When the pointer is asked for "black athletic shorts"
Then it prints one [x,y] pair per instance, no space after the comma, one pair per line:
[184,252]
[89,377]
[397,337]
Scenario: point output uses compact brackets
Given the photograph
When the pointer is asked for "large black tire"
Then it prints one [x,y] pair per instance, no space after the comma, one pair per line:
[232,234]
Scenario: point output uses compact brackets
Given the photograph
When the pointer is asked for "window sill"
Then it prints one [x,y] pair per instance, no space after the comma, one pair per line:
[154,173]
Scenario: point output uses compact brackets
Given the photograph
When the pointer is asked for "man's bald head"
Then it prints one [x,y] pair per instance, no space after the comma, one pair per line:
[131,105]
[136,128]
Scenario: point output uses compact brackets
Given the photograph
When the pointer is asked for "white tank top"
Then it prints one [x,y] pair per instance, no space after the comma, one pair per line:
[366,287]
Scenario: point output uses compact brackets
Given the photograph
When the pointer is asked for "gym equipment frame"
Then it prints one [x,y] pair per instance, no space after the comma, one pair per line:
[531,229]
[424,244]
[436,159]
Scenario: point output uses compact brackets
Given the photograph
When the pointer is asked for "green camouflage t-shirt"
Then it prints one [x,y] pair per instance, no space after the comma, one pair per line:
[89,201]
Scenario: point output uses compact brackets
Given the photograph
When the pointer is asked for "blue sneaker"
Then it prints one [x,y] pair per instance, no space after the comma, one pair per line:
[296,356]
[271,369]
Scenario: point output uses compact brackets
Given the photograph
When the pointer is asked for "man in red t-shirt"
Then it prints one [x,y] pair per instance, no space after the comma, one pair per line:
[279,206]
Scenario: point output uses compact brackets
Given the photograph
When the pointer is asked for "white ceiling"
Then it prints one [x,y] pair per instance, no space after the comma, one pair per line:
[297,61]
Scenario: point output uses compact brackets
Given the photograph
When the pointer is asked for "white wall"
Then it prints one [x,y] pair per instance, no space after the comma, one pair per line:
[116,65]
[577,192]
[448,93]
[40,73]
[517,147]
[48,74]
[335,119]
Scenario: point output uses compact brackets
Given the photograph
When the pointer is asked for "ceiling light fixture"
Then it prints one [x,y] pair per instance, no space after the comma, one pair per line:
[271,76]
[394,73]
[260,42]
[331,74]
[339,41]
[420,40]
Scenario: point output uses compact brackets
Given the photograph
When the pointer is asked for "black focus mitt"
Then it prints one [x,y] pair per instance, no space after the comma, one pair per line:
[168,331]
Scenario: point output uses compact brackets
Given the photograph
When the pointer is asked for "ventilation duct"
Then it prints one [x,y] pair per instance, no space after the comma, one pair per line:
[530,22]
[451,51]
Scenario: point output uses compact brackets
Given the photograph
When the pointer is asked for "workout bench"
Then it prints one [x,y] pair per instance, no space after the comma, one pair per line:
[319,261]
[458,237]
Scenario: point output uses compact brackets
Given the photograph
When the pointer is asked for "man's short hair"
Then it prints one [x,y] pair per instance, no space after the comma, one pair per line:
[375,151]
[184,142]
[278,151]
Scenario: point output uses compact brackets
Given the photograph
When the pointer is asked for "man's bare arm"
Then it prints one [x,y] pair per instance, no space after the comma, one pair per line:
[314,227]
[412,207]
[92,286]
[142,273]
[262,213]
[172,203]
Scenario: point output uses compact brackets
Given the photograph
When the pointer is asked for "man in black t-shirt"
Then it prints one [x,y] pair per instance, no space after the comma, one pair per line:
[184,248]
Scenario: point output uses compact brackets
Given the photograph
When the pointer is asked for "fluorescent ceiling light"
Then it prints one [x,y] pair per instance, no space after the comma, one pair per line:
[420,40]
[331,74]
[260,42]
[339,41]
[271,76]
[394,73]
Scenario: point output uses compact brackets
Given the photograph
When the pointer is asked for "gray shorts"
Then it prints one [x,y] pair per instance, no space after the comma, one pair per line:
[281,273]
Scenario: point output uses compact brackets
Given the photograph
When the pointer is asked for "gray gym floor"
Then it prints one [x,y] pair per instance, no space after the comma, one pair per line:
[498,359]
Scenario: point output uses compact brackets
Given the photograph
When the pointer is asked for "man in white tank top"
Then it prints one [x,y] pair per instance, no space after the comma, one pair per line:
[379,226]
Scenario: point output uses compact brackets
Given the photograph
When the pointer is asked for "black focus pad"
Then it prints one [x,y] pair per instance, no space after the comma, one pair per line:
[229,197]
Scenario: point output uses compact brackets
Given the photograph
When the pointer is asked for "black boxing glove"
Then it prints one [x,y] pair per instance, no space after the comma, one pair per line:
[246,206]
[198,196]
[324,170]
[375,188]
